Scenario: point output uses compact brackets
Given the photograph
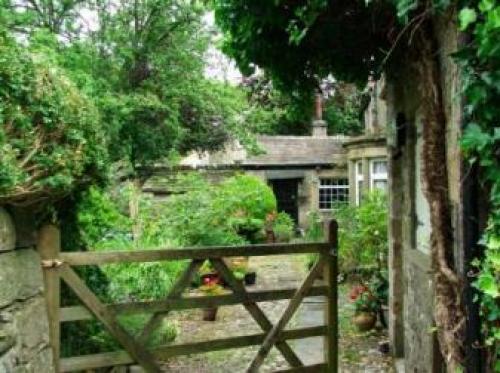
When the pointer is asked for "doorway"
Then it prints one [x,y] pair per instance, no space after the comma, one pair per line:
[287,193]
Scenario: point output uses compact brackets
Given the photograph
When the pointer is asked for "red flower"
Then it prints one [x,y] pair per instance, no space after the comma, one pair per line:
[356,291]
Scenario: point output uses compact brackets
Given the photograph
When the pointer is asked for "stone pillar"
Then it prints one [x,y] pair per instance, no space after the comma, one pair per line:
[24,332]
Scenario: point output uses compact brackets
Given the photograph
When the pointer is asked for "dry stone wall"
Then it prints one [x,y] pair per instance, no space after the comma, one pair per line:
[24,341]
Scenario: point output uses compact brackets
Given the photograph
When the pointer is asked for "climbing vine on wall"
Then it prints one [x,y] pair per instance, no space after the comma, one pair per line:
[481,143]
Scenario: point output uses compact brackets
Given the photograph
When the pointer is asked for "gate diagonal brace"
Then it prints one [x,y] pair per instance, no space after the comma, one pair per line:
[258,315]
[135,349]
[272,337]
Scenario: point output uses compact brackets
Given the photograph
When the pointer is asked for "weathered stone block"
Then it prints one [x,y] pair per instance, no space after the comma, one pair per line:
[20,276]
[32,328]
[7,231]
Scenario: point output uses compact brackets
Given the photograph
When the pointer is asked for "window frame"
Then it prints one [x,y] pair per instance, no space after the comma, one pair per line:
[378,176]
[338,185]
[359,180]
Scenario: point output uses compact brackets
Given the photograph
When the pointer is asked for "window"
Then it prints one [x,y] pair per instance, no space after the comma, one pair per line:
[332,192]
[378,175]
[359,182]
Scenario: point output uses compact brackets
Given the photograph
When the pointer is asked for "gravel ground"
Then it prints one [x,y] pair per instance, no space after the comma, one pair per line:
[358,352]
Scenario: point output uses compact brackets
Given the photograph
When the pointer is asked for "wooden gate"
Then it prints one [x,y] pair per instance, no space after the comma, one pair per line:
[59,265]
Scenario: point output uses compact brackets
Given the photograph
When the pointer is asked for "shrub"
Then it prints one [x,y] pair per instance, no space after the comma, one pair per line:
[314,233]
[363,233]
[50,135]
[283,227]
[226,214]
[104,227]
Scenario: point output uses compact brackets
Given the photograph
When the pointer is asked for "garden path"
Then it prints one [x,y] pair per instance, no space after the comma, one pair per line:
[359,353]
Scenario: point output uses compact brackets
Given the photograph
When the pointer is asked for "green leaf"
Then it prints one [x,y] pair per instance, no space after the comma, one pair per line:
[466,17]
[488,285]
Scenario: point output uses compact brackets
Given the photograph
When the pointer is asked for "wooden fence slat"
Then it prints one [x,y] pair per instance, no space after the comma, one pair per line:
[108,359]
[254,310]
[317,368]
[293,305]
[76,313]
[331,305]
[139,354]
[98,258]
[176,291]
[234,342]
[95,361]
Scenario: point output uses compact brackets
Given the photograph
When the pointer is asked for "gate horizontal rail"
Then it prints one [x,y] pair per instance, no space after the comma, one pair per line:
[58,266]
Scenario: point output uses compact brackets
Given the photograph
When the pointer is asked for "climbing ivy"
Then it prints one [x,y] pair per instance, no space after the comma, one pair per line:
[481,143]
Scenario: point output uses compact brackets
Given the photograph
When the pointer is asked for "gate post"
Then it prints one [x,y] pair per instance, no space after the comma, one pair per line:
[49,247]
[331,304]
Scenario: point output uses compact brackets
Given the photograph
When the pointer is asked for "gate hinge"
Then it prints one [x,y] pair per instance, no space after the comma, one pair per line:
[52,263]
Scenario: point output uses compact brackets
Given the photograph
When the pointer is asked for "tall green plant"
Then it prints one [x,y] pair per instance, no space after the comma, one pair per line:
[363,233]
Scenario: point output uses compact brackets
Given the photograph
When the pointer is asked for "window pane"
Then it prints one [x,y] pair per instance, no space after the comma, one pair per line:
[332,192]
[380,184]
[379,167]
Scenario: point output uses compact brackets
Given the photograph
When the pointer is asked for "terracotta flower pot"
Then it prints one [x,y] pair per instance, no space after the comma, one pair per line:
[364,321]
[210,314]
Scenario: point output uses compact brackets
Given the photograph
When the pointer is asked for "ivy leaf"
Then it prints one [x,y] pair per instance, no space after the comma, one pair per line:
[466,17]
[475,138]
[487,284]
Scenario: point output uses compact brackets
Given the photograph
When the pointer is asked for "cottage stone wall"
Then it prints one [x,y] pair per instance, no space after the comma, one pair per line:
[24,336]
[411,323]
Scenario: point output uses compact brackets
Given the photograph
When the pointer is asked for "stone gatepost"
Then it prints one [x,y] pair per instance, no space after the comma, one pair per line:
[24,332]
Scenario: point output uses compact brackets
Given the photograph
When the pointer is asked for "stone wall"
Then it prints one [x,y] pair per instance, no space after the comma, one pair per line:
[412,290]
[24,341]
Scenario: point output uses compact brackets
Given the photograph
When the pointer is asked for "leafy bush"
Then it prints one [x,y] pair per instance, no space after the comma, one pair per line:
[283,227]
[226,214]
[50,137]
[363,233]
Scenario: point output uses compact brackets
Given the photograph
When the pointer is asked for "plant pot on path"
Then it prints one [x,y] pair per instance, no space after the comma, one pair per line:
[210,314]
[364,321]
[250,278]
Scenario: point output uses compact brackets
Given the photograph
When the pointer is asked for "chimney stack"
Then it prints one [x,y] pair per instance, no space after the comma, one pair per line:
[318,124]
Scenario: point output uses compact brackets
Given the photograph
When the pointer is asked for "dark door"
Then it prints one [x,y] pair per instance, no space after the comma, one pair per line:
[286,192]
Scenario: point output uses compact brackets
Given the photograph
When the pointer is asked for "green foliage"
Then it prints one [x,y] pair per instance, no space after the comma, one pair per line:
[298,43]
[99,217]
[481,65]
[225,214]
[363,233]
[104,227]
[283,227]
[50,138]
[343,112]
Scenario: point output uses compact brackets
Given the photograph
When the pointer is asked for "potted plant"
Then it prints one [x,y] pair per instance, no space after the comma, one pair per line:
[212,288]
[208,273]
[365,308]
[250,277]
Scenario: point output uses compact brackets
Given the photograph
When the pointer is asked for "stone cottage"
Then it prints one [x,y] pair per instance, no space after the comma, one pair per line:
[306,173]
